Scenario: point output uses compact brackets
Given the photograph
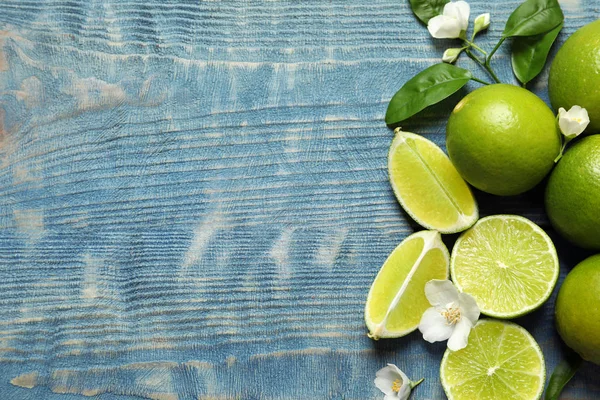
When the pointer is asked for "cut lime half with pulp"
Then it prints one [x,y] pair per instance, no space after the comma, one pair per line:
[428,186]
[396,300]
[502,361]
[507,263]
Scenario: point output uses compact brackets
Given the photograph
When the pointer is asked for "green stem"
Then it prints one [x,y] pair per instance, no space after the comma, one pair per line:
[490,71]
[487,61]
[479,49]
[566,140]
[480,81]
[474,57]
[482,63]
[487,65]
[415,384]
[478,61]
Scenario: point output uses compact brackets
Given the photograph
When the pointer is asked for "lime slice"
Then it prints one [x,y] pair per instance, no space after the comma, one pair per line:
[397,299]
[507,263]
[502,361]
[428,186]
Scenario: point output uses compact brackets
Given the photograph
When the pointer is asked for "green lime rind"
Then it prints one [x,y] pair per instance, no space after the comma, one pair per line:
[428,186]
[396,299]
[501,361]
[487,266]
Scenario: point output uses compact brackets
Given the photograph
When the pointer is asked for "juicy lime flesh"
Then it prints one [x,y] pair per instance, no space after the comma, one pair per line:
[397,299]
[392,276]
[507,264]
[575,74]
[413,302]
[428,186]
[502,139]
[577,307]
[573,194]
[502,361]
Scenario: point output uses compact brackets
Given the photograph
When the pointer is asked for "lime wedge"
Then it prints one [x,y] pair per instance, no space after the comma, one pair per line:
[428,186]
[502,361]
[396,300]
[507,263]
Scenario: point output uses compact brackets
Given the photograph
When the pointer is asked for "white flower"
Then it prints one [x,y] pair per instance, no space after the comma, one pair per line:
[450,55]
[452,23]
[394,383]
[481,22]
[452,316]
[573,122]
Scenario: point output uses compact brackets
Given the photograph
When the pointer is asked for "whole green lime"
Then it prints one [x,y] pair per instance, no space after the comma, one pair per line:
[575,74]
[577,308]
[573,194]
[502,139]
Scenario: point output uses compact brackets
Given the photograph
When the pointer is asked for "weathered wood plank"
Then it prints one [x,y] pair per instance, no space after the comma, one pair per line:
[194,200]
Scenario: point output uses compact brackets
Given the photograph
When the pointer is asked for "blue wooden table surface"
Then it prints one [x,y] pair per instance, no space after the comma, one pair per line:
[194,198]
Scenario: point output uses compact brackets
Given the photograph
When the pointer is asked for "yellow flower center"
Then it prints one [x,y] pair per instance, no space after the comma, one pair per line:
[452,315]
[396,385]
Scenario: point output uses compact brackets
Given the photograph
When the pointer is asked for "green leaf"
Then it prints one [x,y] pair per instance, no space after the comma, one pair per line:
[427,9]
[529,54]
[562,374]
[533,17]
[428,87]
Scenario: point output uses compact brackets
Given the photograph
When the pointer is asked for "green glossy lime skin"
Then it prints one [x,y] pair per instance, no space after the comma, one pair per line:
[502,139]
[578,308]
[573,194]
[575,74]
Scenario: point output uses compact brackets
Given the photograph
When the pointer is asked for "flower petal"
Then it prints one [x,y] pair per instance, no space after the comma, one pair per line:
[384,385]
[433,326]
[441,292]
[460,10]
[404,392]
[394,373]
[389,372]
[468,307]
[444,27]
[405,388]
[393,396]
[575,110]
[460,336]
[385,378]
[570,127]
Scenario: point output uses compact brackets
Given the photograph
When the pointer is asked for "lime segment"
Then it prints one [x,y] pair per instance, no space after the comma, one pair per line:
[428,186]
[502,361]
[507,263]
[396,300]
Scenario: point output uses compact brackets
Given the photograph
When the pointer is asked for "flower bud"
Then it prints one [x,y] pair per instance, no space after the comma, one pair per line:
[481,22]
[450,55]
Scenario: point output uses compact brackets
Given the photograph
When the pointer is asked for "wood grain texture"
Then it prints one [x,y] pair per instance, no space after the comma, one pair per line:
[194,198]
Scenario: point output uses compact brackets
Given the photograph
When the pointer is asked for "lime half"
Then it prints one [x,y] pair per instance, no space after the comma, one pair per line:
[507,263]
[502,361]
[428,186]
[396,300]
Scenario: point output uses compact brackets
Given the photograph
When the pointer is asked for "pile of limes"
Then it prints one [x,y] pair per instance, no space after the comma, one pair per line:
[503,140]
